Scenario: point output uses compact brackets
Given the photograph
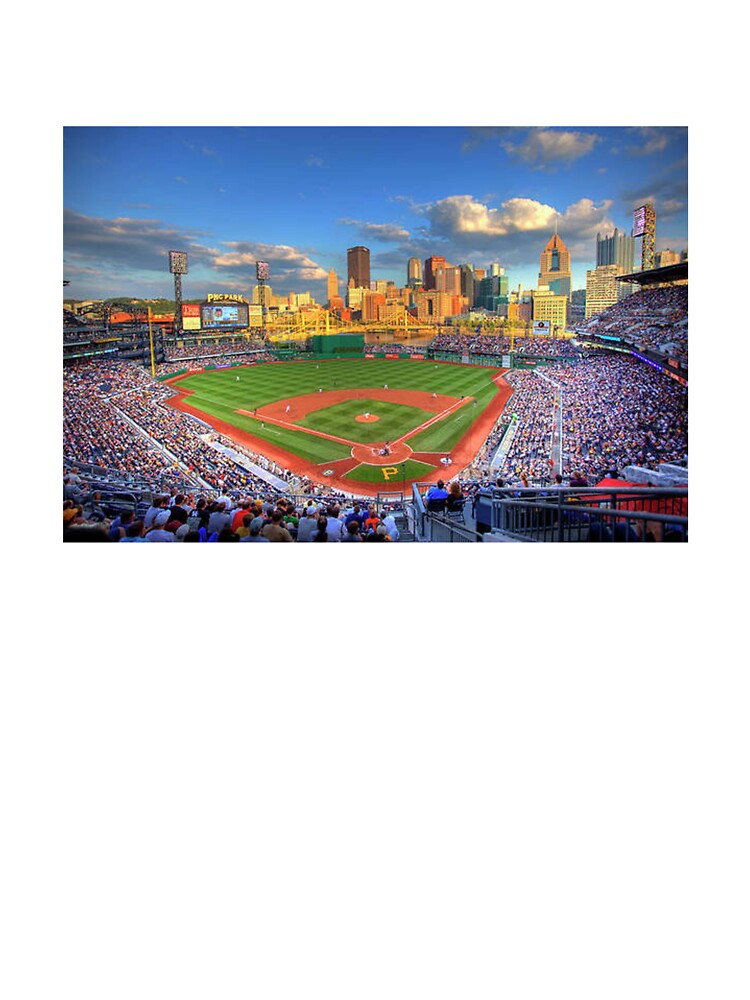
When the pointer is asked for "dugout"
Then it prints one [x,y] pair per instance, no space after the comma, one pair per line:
[339,343]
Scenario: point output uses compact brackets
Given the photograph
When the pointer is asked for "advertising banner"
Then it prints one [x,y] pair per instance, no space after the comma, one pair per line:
[417,357]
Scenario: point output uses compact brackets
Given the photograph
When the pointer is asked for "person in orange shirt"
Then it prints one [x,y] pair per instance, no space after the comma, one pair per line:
[372,521]
[239,514]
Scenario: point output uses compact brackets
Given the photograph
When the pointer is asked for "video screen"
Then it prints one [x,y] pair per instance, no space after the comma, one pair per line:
[223,315]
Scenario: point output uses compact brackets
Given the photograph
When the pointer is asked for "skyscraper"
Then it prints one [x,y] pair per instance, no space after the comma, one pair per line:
[615,249]
[414,272]
[333,285]
[434,272]
[358,266]
[554,267]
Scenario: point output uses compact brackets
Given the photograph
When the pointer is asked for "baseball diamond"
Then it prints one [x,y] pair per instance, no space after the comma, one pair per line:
[338,416]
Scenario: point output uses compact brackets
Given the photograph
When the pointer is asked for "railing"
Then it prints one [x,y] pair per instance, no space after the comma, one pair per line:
[429,526]
[596,514]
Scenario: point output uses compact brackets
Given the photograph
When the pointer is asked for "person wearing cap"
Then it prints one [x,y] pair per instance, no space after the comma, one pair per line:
[159,533]
[158,504]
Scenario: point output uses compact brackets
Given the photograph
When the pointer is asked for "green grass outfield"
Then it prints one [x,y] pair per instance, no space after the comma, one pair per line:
[219,394]
[394,419]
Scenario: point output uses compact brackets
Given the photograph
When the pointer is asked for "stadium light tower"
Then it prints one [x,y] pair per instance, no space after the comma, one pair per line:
[644,224]
[178,265]
[262,273]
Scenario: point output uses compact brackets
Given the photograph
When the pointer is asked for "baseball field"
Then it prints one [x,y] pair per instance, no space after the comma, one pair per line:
[362,425]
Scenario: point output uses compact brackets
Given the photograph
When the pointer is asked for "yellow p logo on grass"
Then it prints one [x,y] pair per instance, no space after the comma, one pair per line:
[388,471]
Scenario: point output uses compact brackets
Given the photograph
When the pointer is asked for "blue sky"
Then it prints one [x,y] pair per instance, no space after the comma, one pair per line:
[298,197]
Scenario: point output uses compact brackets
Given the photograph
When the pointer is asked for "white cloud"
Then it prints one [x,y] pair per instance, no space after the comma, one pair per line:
[548,146]
[460,214]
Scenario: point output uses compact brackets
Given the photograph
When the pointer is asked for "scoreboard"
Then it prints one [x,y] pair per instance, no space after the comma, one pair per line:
[227,314]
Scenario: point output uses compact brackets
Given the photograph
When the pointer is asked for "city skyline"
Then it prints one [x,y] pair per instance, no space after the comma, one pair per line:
[299,197]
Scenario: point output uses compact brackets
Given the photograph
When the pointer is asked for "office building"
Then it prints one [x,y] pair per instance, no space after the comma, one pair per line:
[434,274]
[358,267]
[554,267]
[548,306]
[601,288]
[666,257]
[333,286]
[617,249]
[414,272]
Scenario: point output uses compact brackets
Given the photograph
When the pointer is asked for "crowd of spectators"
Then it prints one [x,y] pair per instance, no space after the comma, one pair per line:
[203,347]
[180,517]
[617,412]
[483,343]
[652,319]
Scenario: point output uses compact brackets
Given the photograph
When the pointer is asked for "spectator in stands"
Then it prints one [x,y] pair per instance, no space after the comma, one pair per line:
[255,534]
[119,526]
[437,492]
[308,525]
[135,532]
[334,524]
[321,535]
[158,531]
[390,524]
[372,520]
[275,531]
[219,518]
[352,531]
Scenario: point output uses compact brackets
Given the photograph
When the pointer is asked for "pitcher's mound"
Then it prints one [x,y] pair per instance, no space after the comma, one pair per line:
[370,453]
[369,418]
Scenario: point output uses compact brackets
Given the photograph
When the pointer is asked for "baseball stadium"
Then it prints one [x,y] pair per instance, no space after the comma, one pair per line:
[201,423]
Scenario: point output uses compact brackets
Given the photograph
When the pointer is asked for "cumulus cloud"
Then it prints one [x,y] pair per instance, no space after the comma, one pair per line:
[462,215]
[385,231]
[545,146]
[314,161]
